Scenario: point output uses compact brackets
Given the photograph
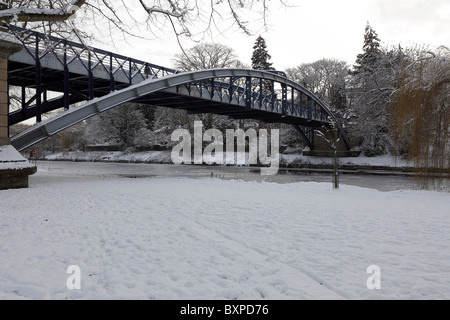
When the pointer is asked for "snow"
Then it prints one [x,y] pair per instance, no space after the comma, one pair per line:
[163,237]
[112,156]
[11,159]
[4,36]
[24,10]
[165,157]
[379,161]
[9,154]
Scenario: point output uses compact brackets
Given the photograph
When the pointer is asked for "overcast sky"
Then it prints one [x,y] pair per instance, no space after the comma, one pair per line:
[315,29]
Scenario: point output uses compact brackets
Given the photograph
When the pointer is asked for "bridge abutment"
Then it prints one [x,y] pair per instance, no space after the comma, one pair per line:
[4,139]
[323,145]
[14,169]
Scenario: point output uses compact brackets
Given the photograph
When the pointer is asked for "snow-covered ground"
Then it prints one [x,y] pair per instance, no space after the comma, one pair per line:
[159,236]
[112,156]
[165,157]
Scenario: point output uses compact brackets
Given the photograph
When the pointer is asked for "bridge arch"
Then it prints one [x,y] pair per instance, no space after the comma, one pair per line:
[206,85]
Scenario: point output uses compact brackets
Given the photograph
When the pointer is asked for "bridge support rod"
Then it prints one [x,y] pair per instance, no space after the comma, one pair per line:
[308,137]
[38,84]
[66,79]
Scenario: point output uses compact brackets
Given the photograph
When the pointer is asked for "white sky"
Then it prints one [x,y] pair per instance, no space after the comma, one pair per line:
[315,29]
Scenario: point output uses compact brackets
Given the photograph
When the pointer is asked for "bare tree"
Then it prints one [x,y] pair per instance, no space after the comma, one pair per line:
[185,18]
[326,78]
[207,56]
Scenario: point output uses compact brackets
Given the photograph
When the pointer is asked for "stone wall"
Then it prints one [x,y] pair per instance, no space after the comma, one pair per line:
[4,139]
[14,169]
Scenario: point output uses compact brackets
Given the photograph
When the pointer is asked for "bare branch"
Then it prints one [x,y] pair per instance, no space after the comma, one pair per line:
[155,9]
[237,18]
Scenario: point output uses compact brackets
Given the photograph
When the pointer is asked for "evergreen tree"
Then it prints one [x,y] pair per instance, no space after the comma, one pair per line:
[149,114]
[260,57]
[372,85]
[260,61]
[367,61]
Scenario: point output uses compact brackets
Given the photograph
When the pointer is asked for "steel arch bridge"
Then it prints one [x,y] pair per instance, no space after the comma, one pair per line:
[106,80]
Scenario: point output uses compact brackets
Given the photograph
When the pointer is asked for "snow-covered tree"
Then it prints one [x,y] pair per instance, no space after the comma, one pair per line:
[260,61]
[149,114]
[120,125]
[260,56]
[374,79]
[366,62]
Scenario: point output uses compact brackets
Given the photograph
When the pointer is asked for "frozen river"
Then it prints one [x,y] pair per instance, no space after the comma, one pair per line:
[133,170]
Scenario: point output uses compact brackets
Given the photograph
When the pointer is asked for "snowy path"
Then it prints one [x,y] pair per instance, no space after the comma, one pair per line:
[183,238]
[273,272]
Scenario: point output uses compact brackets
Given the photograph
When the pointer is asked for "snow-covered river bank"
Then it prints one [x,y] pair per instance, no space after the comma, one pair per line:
[177,233]
[144,170]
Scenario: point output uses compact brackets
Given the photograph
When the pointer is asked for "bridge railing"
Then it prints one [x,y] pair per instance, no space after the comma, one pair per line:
[75,59]
[39,45]
[254,96]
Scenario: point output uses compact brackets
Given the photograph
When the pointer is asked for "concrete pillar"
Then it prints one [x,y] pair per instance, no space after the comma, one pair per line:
[14,169]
